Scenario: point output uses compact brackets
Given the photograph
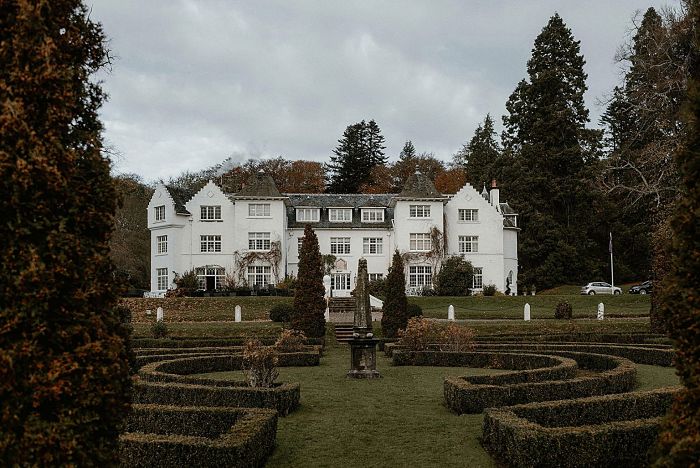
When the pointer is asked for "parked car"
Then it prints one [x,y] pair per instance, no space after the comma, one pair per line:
[644,288]
[600,288]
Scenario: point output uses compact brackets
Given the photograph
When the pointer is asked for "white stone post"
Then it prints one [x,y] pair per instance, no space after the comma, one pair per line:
[526,312]
[601,311]
[451,312]
[327,285]
[159,314]
[238,313]
[327,314]
[148,312]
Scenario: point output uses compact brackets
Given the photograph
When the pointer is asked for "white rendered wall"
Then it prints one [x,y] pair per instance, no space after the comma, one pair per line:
[191,255]
[489,229]
[510,256]
[173,227]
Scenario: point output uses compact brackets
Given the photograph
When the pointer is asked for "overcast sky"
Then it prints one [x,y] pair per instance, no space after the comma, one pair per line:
[197,81]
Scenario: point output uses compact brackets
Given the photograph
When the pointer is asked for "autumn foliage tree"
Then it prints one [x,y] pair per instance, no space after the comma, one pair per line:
[394,311]
[309,300]
[64,375]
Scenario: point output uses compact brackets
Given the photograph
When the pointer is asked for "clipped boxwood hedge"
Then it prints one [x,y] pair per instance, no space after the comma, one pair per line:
[197,436]
[282,397]
[582,337]
[602,431]
[198,342]
[615,375]
[650,354]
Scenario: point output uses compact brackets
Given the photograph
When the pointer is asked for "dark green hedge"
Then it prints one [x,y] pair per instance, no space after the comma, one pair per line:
[603,431]
[227,361]
[657,355]
[583,337]
[283,397]
[614,375]
[197,436]
[196,342]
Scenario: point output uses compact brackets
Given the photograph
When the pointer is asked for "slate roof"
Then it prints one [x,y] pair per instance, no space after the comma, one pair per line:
[180,196]
[354,201]
[506,209]
[262,186]
[419,186]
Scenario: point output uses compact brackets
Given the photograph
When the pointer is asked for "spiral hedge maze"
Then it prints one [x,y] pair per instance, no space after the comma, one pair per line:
[560,404]
[181,419]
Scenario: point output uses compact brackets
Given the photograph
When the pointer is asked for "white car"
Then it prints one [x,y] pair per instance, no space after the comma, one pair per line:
[600,288]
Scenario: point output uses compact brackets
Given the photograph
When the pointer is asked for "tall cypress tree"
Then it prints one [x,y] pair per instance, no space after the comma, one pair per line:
[359,150]
[395,309]
[679,441]
[546,137]
[64,376]
[479,156]
[309,300]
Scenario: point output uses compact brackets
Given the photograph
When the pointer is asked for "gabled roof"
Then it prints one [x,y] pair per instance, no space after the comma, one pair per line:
[262,186]
[180,196]
[419,186]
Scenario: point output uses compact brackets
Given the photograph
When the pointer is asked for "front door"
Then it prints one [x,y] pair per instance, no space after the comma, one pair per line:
[340,285]
[211,283]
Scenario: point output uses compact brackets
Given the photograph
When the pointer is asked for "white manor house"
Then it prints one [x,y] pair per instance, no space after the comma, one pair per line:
[253,237]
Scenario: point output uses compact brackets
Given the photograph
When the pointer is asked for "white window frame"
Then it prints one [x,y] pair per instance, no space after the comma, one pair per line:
[307,215]
[420,276]
[258,210]
[373,215]
[210,212]
[218,273]
[468,244]
[372,246]
[420,239]
[340,245]
[478,281]
[340,282]
[376,276]
[259,241]
[259,275]
[419,211]
[159,213]
[468,215]
[300,241]
[162,279]
[340,215]
[162,244]
[210,243]
[512,218]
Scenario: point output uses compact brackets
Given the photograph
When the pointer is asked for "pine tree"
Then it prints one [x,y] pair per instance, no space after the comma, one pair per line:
[395,309]
[359,150]
[309,300]
[408,151]
[64,374]
[479,156]
[547,146]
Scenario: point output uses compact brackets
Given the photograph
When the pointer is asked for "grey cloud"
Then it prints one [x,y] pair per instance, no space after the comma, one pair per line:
[197,81]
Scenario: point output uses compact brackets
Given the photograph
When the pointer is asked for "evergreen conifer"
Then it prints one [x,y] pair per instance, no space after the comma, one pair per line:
[309,300]
[64,371]
[394,311]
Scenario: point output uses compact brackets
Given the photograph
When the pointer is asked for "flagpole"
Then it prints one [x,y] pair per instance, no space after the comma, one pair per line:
[612,273]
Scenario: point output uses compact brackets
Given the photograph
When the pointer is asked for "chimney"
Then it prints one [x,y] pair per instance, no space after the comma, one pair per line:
[494,195]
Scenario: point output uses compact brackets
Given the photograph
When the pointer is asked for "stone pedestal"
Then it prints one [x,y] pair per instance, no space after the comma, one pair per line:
[363,359]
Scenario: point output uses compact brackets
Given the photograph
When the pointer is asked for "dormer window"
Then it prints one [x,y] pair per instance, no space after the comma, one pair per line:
[340,215]
[419,211]
[159,213]
[513,219]
[372,215]
[469,216]
[210,213]
[307,215]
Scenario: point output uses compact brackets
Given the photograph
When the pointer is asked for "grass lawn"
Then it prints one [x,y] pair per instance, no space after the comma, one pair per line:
[399,420]
[541,306]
